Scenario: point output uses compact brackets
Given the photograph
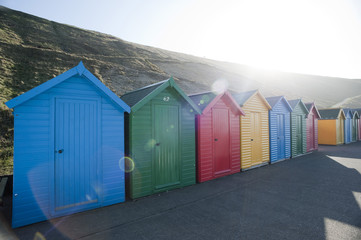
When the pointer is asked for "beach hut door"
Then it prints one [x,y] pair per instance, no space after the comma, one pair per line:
[221,140]
[311,131]
[299,135]
[75,174]
[256,147]
[281,136]
[166,135]
[354,129]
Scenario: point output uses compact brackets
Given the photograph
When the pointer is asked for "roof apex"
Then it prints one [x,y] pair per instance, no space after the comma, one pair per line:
[77,70]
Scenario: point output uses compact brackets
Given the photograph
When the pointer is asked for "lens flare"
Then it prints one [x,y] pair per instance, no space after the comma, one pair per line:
[39,236]
[150,144]
[219,86]
[126,164]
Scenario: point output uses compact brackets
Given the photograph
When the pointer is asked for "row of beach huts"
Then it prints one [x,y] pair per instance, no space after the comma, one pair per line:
[78,146]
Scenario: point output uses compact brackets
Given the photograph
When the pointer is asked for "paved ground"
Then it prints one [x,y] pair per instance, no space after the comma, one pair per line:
[316,196]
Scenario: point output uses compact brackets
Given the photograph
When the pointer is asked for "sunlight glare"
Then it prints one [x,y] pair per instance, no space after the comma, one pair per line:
[344,229]
[347,162]
[219,86]
[357,196]
[295,36]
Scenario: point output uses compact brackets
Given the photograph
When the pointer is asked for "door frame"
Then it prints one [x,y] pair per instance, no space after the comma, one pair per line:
[251,142]
[299,118]
[153,154]
[284,136]
[214,173]
[52,155]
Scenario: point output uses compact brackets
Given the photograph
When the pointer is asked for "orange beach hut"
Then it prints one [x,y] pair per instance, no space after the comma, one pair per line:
[331,126]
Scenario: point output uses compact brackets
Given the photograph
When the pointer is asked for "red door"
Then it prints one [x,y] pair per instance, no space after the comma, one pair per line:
[221,145]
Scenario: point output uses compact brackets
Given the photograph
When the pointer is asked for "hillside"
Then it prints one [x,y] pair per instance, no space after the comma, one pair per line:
[34,50]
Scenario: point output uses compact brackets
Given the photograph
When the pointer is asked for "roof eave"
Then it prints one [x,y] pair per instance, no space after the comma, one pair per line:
[169,83]
[77,70]
[219,96]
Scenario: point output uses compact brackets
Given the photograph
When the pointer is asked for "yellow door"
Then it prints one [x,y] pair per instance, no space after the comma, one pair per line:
[256,147]
[339,131]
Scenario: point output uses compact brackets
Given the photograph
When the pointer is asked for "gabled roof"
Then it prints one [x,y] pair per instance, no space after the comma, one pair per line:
[273,101]
[136,99]
[295,102]
[358,110]
[348,112]
[243,97]
[356,114]
[207,100]
[309,107]
[79,70]
[202,99]
[331,113]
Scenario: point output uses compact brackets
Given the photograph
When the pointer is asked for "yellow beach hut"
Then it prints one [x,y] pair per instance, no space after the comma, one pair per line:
[331,126]
[254,129]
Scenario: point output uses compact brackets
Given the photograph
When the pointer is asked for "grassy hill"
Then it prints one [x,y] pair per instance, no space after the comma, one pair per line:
[34,50]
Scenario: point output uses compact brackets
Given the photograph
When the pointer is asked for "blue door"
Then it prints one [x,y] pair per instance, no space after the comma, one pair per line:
[281,136]
[76,177]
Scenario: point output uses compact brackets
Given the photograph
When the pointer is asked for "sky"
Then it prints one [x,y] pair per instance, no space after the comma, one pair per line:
[321,37]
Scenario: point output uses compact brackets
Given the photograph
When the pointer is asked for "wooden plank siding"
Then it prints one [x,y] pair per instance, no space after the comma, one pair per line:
[205,163]
[298,112]
[312,120]
[327,133]
[279,109]
[254,105]
[34,151]
[142,143]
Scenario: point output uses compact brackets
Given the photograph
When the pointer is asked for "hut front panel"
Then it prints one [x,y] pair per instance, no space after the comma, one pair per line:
[188,146]
[340,131]
[348,128]
[327,133]
[112,124]
[312,131]
[34,152]
[298,131]
[354,130]
[142,144]
[279,150]
[359,129]
[206,148]
[31,161]
[257,151]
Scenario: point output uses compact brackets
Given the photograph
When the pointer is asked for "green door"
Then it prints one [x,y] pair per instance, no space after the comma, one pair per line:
[299,135]
[166,149]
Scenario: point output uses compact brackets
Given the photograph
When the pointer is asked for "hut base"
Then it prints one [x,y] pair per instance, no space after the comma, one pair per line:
[255,166]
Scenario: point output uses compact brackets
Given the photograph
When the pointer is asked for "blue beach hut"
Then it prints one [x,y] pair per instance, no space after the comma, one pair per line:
[68,147]
[279,128]
[348,125]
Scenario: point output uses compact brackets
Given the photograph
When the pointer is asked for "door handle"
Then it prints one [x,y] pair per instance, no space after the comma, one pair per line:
[157,144]
[216,139]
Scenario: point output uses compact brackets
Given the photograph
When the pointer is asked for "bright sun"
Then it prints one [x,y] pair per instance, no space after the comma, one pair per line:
[298,36]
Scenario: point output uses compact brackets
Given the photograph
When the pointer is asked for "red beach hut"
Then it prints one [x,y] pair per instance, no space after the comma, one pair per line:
[218,135]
